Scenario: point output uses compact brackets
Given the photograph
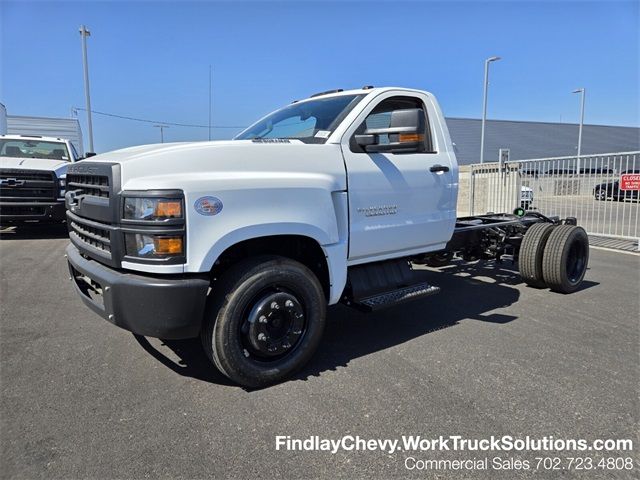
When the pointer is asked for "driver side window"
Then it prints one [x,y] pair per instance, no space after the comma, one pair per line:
[381,117]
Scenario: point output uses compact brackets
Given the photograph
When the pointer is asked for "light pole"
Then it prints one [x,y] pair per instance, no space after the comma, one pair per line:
[161,127]
[84,33]
[209,102]
[484,102]
[581,91]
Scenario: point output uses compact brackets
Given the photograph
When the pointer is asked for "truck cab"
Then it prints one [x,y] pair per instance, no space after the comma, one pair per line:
[32,177]
[245,243]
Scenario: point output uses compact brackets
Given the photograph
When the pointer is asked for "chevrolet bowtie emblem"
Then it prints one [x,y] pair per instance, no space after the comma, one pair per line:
[11,182]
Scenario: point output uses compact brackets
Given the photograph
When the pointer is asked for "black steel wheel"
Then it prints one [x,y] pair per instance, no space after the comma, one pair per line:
[601,194]
[264,320]
[565,258]
[530,255]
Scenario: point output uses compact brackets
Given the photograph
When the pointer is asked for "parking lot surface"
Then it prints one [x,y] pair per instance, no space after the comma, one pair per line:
[488,356]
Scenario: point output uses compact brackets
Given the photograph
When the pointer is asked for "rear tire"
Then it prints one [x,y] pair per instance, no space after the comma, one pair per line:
[565,259]
[264,320]
[531,254]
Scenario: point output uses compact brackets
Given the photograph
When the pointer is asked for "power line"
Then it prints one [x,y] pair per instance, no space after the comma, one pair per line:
[125,117]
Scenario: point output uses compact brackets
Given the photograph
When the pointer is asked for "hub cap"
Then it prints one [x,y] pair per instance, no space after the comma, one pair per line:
[274,326]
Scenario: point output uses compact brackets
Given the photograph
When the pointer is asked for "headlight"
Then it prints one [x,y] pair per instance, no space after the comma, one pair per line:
[62,183]
[153,246]
[136,208]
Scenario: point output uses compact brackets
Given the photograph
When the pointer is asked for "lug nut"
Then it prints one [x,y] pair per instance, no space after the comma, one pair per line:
[288,304]
[262,337]
[275,306]
[262,319]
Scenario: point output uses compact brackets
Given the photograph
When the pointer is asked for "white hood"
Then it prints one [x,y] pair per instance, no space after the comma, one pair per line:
[25,163]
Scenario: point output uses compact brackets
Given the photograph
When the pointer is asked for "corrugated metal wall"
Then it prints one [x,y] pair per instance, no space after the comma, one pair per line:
[536,139]
[46,126]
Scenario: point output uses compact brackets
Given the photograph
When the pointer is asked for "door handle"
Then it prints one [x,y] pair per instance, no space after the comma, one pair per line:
[439,168]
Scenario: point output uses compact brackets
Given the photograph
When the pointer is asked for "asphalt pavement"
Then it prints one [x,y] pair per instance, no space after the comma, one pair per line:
[81,398]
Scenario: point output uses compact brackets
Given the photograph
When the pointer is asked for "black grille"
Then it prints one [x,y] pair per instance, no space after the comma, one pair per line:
[94,185]
[27,185]
[21,211]
[91,235]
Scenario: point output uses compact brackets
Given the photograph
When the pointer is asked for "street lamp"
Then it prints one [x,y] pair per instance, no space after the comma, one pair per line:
[581,91]
[84,33]
[484,102]
[161,127]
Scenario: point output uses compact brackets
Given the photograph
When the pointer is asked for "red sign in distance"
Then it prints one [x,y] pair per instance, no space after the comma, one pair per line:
[630,181]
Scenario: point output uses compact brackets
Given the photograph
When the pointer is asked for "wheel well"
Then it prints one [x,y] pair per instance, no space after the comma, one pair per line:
[296,247]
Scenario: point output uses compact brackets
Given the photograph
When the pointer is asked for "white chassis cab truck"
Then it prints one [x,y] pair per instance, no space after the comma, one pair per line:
[245,243]
[32,178]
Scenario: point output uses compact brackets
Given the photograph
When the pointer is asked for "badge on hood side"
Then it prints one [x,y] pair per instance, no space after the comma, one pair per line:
[208,206]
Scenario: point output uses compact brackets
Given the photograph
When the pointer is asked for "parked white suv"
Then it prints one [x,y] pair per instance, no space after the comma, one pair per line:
[32,177]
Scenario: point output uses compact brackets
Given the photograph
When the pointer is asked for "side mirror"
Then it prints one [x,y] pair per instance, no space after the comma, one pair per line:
[90,154]
[406,133]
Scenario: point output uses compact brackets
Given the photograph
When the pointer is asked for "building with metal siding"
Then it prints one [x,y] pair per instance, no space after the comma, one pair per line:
[527,140]
[48,127]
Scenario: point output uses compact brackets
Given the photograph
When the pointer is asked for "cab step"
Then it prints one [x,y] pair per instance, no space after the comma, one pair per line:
[395,297]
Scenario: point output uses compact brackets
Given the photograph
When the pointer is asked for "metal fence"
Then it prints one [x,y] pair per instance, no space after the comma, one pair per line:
[588,188]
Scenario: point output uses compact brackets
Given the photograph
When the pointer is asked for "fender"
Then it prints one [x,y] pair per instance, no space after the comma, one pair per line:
[335,253]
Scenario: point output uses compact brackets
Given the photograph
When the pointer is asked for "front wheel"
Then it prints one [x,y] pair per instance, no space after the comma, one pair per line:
[264,320]
[601,194]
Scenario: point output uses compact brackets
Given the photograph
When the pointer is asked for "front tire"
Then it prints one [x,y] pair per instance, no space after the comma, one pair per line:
[601,195]
[264,320]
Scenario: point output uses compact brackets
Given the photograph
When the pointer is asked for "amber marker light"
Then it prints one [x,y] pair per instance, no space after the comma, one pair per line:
[168,209]
[410,137]
[168,245]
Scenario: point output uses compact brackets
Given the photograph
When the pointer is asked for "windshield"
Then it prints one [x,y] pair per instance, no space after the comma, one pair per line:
[33,149]
[311,121]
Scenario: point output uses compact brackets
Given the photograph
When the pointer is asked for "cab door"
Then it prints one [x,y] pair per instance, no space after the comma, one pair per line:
[401,201]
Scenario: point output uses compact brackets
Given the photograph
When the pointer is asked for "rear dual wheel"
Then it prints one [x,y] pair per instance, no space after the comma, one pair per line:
[531,251]
[554,256]
[264,320]
[565,258]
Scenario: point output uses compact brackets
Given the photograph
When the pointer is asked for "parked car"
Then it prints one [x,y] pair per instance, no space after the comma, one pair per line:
[560,171]
[611,190]
[526,197]
[596,171]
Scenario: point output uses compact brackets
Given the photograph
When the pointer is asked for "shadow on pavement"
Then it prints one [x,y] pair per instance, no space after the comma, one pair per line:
[34,231]
[470,292]
[505,272]
[193,361]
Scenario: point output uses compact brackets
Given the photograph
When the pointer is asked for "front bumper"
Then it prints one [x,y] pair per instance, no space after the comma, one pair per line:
[15,212]
[168,306]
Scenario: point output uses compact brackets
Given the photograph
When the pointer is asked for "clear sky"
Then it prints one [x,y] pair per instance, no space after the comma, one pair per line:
[151,59]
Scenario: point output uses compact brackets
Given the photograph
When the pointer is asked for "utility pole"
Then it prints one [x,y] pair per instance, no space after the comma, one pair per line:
[84,33]
[161,127]
[581,91]
[484,102]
